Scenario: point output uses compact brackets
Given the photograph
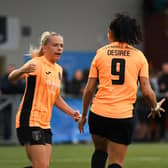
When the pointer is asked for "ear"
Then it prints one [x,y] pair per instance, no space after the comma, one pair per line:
[44,48]
[110,36]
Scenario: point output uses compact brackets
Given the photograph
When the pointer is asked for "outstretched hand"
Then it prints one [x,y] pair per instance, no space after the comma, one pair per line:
[157,110]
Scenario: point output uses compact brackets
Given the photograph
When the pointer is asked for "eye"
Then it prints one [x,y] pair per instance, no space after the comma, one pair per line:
[55,45]
[61,45]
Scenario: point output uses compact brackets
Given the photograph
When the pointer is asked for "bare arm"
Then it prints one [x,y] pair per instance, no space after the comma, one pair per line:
[150,97]
[18,74]
[62,105]
[147,92]
[15,75]
[87,97]
[88,94]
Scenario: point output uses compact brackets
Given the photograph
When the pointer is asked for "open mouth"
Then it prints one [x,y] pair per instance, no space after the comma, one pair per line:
[58,54]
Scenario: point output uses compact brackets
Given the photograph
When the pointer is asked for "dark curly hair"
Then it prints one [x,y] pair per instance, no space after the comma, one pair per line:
[126,29]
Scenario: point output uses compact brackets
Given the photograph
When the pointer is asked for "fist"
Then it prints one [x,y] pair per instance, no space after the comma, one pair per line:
[29,68]
[76,116]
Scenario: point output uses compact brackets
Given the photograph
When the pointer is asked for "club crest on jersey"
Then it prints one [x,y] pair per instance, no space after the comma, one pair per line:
[59,75]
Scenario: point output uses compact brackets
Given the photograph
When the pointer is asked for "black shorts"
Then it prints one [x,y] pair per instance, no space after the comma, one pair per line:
[116,130]
[34,136]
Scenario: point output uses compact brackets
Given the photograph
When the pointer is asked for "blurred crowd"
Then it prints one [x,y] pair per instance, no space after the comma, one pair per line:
[153,129]
[71,88]
[75,86]
[8,88]
[146,129]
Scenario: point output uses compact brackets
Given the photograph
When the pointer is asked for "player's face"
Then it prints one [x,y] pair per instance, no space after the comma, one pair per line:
[54,48]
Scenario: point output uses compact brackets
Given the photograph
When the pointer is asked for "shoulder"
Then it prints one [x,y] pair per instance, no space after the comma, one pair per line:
[141,59]
[141,55]
[137,52]
[100,54]
[38,59]
[35,60]
[103,49]
[58,67]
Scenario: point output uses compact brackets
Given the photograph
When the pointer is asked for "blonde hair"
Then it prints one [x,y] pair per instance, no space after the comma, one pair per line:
[38,52]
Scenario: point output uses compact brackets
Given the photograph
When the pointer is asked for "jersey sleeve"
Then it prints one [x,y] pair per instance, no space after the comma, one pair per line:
[93,73]
[144,71]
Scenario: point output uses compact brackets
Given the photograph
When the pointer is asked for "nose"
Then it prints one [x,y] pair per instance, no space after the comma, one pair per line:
[59,47]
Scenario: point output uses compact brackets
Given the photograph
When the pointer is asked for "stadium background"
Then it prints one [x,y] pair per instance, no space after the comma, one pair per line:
[83,25]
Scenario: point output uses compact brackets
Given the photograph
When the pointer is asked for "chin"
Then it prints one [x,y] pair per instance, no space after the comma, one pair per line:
[57,58]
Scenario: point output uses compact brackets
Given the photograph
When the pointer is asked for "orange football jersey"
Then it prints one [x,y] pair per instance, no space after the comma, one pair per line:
[42,88]
[117,66]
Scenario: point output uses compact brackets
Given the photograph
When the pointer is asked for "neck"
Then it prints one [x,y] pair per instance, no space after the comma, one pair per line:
[49,60]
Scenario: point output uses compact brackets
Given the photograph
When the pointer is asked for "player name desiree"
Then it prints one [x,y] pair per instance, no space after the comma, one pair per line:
[118,52]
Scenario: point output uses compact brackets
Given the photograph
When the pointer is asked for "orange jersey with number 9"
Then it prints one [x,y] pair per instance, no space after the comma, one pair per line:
[117,66]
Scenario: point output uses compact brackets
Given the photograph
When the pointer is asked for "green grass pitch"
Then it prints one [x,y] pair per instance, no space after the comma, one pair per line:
[149,155]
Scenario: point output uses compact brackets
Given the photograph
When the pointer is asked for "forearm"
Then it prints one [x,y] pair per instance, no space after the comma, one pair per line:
[147,92]
[63,106]
[87,97]
[150,98]
[16,75]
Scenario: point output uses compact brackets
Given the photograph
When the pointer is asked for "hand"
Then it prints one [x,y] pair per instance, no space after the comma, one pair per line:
[76,116]
[81,124]
[157,110]
[28,68]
